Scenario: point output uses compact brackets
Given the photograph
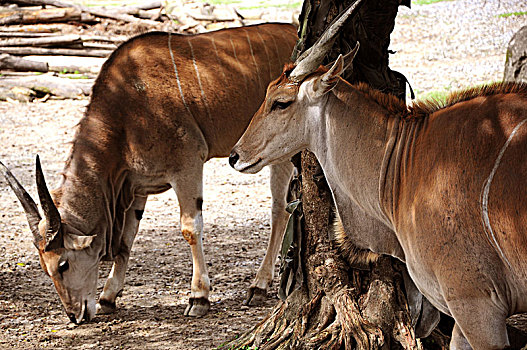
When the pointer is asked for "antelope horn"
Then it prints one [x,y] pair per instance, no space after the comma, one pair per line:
[311,59]
[48,207]
[29,205]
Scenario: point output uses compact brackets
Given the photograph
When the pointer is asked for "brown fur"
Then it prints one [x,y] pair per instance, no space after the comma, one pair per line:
[424,108]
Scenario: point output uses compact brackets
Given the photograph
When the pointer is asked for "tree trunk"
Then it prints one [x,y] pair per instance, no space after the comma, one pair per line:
[335,305]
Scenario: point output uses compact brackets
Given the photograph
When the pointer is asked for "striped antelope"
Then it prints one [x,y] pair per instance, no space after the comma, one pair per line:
[162,105]
[444,185]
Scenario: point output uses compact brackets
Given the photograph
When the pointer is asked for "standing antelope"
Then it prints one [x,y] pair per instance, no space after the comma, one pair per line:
[162,105]
[444,185]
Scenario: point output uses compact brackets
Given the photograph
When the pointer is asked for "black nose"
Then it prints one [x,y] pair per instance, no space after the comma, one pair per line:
[233,158]
[72,318]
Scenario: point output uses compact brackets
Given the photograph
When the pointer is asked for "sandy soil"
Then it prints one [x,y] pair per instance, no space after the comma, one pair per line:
[438,49]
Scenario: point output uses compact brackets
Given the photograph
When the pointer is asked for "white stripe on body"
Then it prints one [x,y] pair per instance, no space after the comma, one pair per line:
[241,65]
[177,75]
[485,196]
[205,102]
[254,59]
[266,53]
[276,50]
[218,59]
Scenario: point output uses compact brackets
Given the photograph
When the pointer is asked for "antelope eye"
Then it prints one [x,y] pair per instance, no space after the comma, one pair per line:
[63,266]
[280,105]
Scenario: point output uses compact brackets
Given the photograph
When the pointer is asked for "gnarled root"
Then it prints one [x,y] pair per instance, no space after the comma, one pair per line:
[323,322]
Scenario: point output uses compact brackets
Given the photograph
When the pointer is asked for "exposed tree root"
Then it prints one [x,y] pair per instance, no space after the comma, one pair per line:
[323,322]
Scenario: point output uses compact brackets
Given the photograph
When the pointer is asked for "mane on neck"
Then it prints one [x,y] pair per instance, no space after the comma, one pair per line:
[424,108]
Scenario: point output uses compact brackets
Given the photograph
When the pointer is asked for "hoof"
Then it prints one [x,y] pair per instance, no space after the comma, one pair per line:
[105,307]
[197,307]
[255,296]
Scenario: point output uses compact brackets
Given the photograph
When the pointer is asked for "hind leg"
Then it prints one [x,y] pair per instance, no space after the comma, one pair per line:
[280,176]
[480,324]
[114,285]
[189,189]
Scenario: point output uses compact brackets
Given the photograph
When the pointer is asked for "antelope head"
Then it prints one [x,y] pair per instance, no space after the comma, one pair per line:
[65,253]
[286,119]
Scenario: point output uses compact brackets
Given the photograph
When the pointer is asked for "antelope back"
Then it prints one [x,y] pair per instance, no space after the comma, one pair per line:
[216,80]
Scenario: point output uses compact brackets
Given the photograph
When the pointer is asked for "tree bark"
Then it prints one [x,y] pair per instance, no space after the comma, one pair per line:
[336,306]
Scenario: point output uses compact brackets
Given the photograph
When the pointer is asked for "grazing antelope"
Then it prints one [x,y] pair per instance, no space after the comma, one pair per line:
[162,105]
[444,185]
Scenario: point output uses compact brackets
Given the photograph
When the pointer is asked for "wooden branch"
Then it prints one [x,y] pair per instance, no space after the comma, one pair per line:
[117,16]
[49,28]
[45,84]
[109,39]
[151,15]
[13,18]
[12,34]
[94,11]
[84,38]
[131,10]
[25,51]
[100,46]
[199,17]
[43,41]
[40,16]
[20,64]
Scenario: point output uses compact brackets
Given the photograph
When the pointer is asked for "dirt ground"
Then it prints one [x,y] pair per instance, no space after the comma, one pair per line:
[440,47]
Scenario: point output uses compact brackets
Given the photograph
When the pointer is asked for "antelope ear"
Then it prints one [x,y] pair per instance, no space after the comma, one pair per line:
[329,80]
[75,242]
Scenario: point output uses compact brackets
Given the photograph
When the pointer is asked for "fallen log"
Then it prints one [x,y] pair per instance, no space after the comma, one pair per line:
[20,64]
[94,11]
[13,18]
[56,40]
[211,18]
[117,16]
[99,46]
[13,34]
[44,84]
[40,16]
[151,15]
[84,38]
[25,51]
[132,10]
[50,28]
[111,39]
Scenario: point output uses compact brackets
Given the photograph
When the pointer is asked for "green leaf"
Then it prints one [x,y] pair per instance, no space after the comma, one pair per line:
[288,235]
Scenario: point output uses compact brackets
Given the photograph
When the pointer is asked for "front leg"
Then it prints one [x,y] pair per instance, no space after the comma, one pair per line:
[189,190]
[280,177]
[114,285]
